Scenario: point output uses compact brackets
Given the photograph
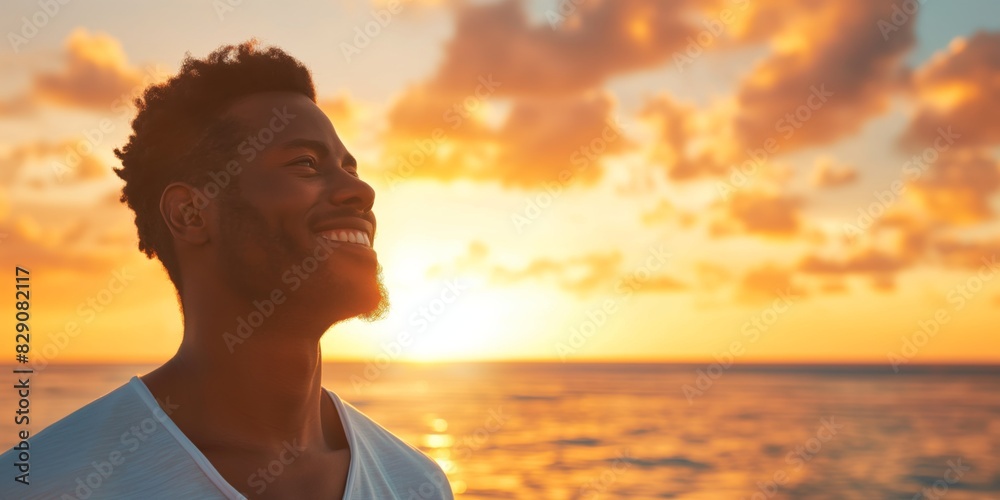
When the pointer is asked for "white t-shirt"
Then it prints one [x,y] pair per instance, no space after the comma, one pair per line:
[124,445]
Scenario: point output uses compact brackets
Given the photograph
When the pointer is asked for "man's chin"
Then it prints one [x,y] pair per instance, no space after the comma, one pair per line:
[379,306]
[368,301]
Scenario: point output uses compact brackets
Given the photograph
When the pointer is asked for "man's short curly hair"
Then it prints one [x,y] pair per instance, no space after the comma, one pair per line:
[179,133]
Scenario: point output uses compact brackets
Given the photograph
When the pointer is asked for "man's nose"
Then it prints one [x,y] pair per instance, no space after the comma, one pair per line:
[347,190]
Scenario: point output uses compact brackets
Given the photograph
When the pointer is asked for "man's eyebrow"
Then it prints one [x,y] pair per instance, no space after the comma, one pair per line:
[318,146]
[321,148]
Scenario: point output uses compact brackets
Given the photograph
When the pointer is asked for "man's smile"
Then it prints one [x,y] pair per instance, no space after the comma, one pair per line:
[347,236]
[347,230]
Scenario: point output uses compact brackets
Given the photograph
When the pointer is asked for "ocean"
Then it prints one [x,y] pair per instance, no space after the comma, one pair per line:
[617,430]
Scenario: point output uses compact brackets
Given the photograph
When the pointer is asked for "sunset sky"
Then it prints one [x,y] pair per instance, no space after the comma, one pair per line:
[815,181]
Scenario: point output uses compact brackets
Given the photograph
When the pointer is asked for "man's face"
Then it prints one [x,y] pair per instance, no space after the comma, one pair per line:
[300,220]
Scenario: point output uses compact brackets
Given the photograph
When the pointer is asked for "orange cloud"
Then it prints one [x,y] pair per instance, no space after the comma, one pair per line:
[830,72]
[959,187]
[967,254]
[959,88]
[758,212]
[597,40]
[343,113]
[871,261]
[581,275]
[547,140]
[665,212]
[96,76]
[561,140]
[674,122]
[56,249]
[61,162]
[828,174]
[878,265]
[765,283]
[711,276]
[551,72]
[422,109]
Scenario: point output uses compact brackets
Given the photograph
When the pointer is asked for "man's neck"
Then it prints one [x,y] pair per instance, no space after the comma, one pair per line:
[265,392]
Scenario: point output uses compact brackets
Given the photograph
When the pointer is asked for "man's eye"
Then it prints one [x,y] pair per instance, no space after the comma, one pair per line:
[305,162]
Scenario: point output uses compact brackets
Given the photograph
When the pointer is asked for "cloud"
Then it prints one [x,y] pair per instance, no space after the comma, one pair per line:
[761,213]
[827,174]
[765,283]
[959,187]
[548,75]
[666,212]
[676,128]
[56,249]
[966,254]
[960,88]
[819,48]
[53,161]
[585,274]
[343,112]
[597,40]
[711,275]
[581,274]
[97,75]
[547,138]
[867,262]
[877,265]
[539,141]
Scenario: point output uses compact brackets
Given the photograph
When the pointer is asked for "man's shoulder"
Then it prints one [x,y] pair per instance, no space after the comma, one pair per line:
[372,435]
[83,422]
[115,445]
[388,465]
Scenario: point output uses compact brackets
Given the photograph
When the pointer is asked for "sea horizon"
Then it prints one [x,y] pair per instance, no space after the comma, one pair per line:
[654,430]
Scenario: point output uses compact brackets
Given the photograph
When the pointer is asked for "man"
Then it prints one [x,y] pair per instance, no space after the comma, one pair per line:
[243,190]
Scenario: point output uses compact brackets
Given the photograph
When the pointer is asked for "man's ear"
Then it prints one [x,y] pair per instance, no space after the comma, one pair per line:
[185,212]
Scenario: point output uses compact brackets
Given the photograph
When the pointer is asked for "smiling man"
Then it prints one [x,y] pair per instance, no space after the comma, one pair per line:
[243,190]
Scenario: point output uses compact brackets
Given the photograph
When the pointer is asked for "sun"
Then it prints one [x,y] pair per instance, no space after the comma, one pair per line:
[468,328]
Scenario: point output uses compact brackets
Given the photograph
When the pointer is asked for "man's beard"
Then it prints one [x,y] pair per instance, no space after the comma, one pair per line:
[255,258]
[382,308]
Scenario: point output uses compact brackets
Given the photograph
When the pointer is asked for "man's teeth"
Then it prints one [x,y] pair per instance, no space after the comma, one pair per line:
[348,236]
